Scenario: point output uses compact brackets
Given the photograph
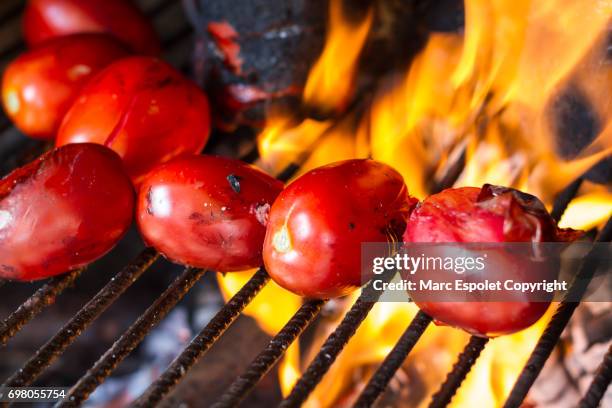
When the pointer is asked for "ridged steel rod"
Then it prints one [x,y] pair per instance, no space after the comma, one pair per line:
[460,370]
[131,338]
[29,309]
[555,327]
[79,322]
[329,352]
[600,383]
[203,341]
[243,385]
[393,361]
[334,344]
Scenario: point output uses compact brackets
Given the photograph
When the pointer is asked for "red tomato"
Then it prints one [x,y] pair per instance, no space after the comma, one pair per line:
[41,84]
[62,211]
[205,211]
[487,215]
[45,19]
[143,109]
[319,221]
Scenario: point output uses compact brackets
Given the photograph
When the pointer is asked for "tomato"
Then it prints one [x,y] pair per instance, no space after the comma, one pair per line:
[319,221]
[45,19]
[206,211]
[488,215]
[143,109]
[41,84]
[62,211]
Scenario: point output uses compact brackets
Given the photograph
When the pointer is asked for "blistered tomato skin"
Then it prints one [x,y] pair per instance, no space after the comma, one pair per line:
[319,221]
[46,19]
[487,215]
[144,110]
[62,211]
[41,84]
[207,211]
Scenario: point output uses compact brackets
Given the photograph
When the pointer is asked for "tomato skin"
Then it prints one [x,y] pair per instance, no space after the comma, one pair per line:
[319,221]
[62,211]
[487,215]
[41,84]
[207,211]
[45,19]
[144,110]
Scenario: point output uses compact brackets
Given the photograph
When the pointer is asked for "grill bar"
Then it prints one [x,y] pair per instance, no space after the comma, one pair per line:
[29,309]
[131,338]
[203,341]
[331,349]
[460,370]
[393,361]
[79,322]
[564,198]
[555,327]
[600,383]
[241,387]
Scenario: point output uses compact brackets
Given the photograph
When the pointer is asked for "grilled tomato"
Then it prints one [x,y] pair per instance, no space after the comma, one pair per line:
[319,221]
[207,211]
[144,110]
[63,210]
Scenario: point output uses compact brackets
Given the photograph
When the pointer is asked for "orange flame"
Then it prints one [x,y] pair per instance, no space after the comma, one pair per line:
[330,82]
[487,96]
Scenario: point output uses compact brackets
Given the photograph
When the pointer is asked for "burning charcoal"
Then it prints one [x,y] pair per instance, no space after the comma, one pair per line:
[576,124]
[444,15]
[574,121]
[257,51]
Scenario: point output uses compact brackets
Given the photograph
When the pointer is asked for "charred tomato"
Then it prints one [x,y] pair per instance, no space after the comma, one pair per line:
[41,84]
[207,211]
[143,109]
[319,221]
[490,214]
[62,211]
[45,19]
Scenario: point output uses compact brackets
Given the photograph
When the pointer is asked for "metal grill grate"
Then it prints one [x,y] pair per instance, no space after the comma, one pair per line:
[332,347]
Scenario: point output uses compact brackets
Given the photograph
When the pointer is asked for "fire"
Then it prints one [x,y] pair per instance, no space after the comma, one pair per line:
[330,83]
[490,99]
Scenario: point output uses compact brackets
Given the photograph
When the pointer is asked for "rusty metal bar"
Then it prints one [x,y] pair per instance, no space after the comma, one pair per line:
[131,338]
[460,370]
[393,361]
[243,385]
[84,317]
[29,309]
[555,327]
[203,341]
[600,383]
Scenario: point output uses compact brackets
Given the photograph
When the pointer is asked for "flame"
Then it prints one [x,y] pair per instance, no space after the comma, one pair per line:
[588,211]
[330,82]
[309,143]
[489,105]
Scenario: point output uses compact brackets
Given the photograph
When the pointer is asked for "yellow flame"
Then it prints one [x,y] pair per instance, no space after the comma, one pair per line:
[330,82]
[488,96]
[588,211]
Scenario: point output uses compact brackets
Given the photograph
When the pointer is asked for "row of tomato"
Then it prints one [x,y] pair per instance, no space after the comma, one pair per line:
[122,121]
[73,204]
